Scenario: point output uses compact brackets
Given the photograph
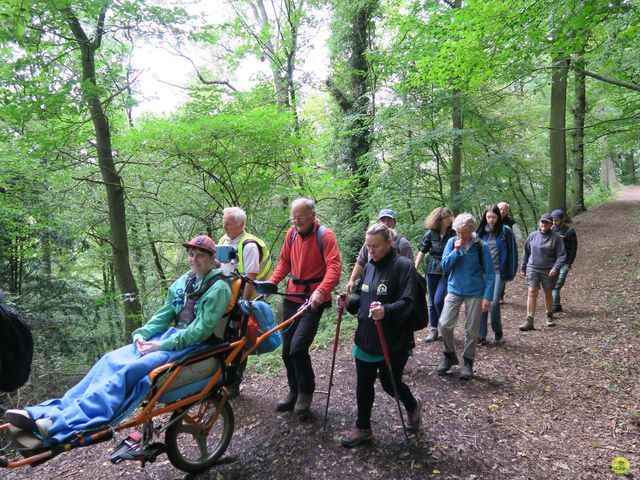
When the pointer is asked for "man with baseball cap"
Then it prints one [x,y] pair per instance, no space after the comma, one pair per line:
[387,217]
[542,259]
[570,239]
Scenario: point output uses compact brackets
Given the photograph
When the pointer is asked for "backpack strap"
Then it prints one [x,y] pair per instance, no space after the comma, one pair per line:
[478,242]
[308,281]
[396,242]
[319,238]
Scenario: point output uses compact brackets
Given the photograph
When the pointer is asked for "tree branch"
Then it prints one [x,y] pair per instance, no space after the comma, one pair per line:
[612,81]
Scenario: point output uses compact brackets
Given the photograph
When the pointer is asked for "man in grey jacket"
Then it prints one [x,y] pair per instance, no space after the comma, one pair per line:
[543,257]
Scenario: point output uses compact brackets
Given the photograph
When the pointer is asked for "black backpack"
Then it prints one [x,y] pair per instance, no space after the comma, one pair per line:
[420,310]
[16,350]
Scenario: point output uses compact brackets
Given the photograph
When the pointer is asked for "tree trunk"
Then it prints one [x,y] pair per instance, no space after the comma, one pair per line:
[111,178]
[358,118]
[457,123]
[278,72]
[557,135]
[608,179]
[577,151]
[156,258]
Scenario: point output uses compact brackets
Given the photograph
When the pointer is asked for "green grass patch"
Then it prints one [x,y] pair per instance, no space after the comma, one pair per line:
[597,196]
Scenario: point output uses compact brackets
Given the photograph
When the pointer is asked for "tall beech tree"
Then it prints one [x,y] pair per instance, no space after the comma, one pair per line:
[352,87]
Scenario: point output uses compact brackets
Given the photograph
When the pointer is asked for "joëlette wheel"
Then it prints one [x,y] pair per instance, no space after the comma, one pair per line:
[197,440]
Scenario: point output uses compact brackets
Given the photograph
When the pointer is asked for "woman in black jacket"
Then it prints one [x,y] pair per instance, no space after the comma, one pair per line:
[385,294]
[438,232]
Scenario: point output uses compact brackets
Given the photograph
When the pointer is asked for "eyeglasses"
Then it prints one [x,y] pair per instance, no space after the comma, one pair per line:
[301,218]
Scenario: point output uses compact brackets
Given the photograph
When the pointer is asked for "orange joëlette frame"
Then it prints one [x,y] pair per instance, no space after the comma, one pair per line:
[148,412]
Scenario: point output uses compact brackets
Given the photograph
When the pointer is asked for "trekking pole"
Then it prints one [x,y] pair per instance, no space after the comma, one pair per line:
[387,360]
[343,297]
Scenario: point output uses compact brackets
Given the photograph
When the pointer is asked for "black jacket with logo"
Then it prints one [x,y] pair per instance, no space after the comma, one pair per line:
[389,281]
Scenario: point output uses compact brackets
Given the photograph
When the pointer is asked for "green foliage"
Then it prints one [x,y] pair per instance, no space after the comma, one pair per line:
[597,196]
[247,147]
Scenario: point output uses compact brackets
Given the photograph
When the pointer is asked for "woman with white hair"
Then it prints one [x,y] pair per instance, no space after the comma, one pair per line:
[467,260]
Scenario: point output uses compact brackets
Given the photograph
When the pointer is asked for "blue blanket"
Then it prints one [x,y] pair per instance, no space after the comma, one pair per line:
[109,392]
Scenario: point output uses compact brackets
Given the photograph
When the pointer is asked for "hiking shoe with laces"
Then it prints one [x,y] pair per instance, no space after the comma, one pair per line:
[356,437]
[432,336]
[498,338]
[20,419]
[466,371]
[448,360]
[527,325]
[287,403]
[414,417]
[303,404]
[550,322]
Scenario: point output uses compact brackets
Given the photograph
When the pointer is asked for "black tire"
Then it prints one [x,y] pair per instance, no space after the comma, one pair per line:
[190,446]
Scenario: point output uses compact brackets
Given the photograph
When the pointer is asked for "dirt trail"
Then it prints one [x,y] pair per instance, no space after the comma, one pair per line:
[552,403]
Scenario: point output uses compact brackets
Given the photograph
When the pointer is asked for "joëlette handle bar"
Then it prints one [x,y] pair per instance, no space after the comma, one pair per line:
[303,308]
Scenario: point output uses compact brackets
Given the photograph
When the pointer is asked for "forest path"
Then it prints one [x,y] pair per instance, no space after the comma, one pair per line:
[557,402]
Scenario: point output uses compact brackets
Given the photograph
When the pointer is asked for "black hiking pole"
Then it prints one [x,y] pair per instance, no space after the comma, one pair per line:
[387,360]
[333,364]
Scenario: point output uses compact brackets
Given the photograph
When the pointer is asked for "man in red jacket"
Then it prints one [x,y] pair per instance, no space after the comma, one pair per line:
[311,258]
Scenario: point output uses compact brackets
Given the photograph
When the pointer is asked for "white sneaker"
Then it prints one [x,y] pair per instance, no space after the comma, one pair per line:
[43,425]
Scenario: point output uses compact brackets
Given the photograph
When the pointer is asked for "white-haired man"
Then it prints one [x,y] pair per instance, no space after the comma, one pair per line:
[311,259]
[253,258]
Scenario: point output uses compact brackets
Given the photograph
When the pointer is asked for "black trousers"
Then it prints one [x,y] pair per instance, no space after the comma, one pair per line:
[296,340]
[365,390]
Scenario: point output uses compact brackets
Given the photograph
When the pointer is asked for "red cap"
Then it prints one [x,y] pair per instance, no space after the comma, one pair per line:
[203,243]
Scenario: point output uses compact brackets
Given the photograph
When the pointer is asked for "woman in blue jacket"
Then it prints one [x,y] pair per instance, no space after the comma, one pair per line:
[504,255]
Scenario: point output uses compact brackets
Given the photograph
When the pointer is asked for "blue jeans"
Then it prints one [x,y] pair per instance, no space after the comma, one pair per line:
[437,289]
[496,322]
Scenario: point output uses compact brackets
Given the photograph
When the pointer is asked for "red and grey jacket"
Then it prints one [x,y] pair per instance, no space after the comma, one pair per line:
[309,267]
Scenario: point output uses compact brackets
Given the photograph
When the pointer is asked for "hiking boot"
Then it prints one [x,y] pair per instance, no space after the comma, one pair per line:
[43,425]
[527,325]
[303,404]
[558,309]
[448,360]
[20,419]
[466,371]
[550,322]
[414,417]
[356,437]
[233,391]
[482,341]
[432,336]
[498,338]
[287,403]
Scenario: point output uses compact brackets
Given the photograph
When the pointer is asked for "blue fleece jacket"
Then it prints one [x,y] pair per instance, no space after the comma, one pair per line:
[467,278]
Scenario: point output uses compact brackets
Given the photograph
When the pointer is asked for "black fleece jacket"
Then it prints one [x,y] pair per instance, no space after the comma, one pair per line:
[389,281]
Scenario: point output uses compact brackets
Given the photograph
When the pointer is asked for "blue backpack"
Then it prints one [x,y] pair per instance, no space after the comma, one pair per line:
[263,314]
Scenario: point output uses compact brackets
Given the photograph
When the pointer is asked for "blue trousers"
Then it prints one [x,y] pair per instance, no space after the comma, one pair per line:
[437,290]
[496,321]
